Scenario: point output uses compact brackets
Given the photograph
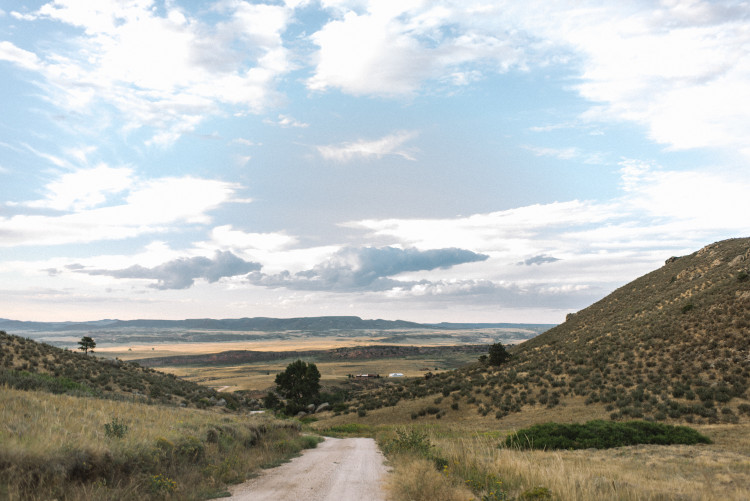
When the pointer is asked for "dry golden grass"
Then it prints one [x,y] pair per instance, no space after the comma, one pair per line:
[416,479]
[261,375]
[470,442]
[701,472]
[60,445]
[299,341]
[137,351]
[719,471]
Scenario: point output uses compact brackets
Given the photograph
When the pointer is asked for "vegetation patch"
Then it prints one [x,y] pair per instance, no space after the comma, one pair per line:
[349,430]
[602,435]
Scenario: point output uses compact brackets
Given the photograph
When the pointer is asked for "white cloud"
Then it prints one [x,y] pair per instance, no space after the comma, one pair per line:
[227,237]
[660,213]
[149,207]
[391,48]
[23,58]
[569,153]
[165,72]
[391,144]
[85,188]
[287,121]
[677,68]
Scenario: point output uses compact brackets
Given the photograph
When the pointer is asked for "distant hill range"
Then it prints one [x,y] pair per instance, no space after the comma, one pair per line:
[257,324]
[674,343]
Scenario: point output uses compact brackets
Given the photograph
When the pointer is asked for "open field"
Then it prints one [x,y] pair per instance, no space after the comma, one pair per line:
[133,343]
[261,375]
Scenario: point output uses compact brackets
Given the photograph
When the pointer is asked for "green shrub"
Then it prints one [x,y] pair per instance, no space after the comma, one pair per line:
[602,435]
[190,449]
[410,441]
[115,429]
[536,494]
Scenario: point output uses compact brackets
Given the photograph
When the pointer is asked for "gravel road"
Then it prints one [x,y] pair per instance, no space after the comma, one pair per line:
[338,469]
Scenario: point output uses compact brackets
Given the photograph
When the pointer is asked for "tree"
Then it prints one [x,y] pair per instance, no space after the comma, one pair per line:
[299,384]
[86,343]
[498,354]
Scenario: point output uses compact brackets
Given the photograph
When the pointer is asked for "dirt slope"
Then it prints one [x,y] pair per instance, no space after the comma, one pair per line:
[350,468]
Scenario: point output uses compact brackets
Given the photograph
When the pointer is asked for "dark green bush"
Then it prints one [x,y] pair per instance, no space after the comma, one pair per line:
[116,428]
[602,435]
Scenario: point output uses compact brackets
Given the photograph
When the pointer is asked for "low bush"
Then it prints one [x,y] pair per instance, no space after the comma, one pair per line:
[116,428]
[602,435]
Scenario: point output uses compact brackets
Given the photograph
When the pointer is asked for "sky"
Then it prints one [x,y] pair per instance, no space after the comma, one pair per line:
[458,161]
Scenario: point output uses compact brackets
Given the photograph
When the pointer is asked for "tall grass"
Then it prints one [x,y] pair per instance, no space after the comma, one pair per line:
[65,447]
[473,462]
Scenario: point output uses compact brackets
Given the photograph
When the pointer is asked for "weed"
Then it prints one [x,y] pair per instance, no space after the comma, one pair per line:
[115,429]
[162,485]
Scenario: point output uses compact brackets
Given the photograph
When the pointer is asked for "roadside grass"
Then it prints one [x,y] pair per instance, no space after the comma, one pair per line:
[440,460]
[66,447]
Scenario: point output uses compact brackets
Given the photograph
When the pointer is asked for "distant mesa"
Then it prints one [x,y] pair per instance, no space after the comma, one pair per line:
[254,324]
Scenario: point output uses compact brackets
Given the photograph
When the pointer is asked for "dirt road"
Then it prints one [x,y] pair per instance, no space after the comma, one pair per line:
[338,469]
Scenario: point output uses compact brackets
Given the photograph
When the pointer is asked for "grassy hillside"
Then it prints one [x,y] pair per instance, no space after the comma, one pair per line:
[68,447]
[28,365]
[79,427]
[673,344]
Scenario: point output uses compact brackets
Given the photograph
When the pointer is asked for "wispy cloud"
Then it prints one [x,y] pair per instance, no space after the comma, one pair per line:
[680,83]
[392,144]
[23,58]
[287,121]
[114,62]
[569,153]
[85,188]
[143,207]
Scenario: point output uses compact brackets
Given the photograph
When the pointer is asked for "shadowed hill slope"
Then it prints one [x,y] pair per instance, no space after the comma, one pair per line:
[674,343]
[28,365]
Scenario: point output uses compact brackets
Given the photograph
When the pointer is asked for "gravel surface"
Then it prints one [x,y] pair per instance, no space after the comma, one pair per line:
[337,470]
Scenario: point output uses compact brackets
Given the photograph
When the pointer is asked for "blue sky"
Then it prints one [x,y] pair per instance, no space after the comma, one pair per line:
[472,161]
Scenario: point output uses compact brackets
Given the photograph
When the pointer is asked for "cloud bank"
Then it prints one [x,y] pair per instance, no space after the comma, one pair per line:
[367,268]
[182,273]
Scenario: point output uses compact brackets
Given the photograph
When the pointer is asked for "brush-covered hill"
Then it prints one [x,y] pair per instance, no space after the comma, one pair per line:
[673,344]
[28,365]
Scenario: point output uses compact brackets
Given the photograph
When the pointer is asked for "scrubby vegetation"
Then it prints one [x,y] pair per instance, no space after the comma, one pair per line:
[28,365]
[602,435]
[671,345]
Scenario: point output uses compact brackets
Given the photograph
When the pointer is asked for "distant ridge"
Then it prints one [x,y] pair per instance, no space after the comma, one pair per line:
[254,324]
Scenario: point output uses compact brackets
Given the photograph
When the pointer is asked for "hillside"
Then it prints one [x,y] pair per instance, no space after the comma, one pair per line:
[26,365]
[673,344]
